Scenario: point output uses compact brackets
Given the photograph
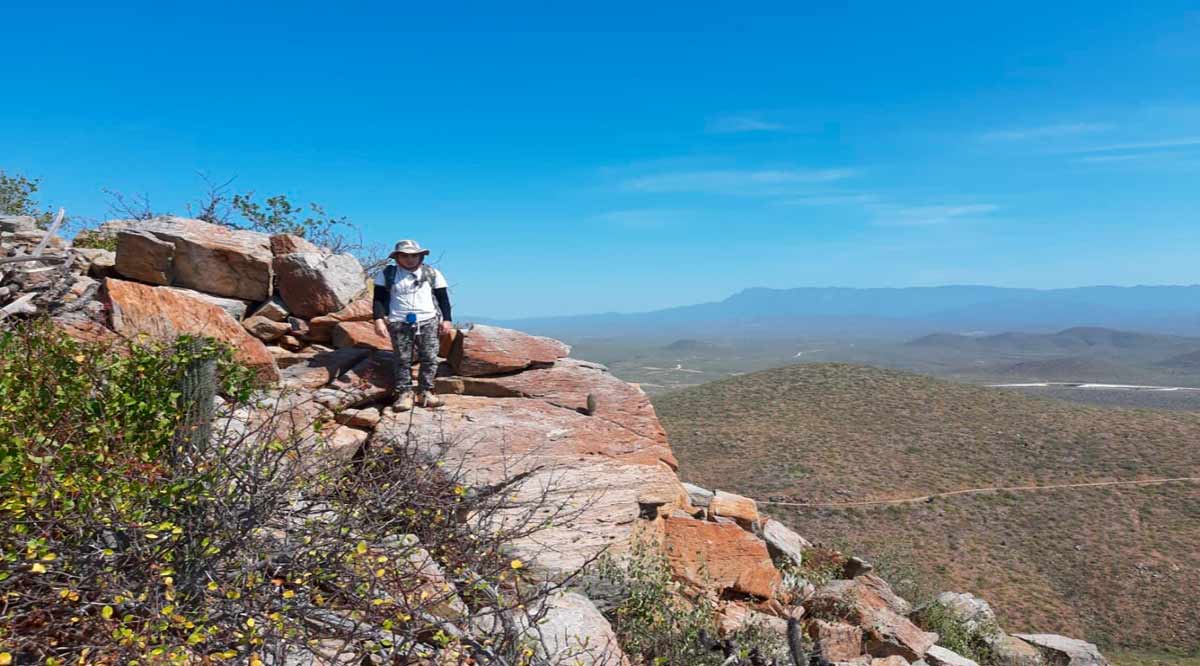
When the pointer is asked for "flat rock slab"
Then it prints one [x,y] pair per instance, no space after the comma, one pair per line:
[491,350]
[359,334]
[567,384]
[580,464]
[528,427]
[940,656]
[163,314]
[209,257]
[1064,651]
[234,306]
[320,369]
[720,556]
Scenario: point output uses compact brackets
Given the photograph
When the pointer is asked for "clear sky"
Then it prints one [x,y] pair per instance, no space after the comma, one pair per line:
[641,155]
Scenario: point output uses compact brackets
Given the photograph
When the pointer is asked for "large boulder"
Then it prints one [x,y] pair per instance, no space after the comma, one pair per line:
[719,557]
[491,350]
[1063,651]
[164,314]
[144,257]
[783,542]
[207,257]
[576,463]
[568,383]
[313,284]
[870,603]
[572,631]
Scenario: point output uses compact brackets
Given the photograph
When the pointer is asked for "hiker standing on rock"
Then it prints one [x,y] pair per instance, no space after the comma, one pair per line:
[412,307]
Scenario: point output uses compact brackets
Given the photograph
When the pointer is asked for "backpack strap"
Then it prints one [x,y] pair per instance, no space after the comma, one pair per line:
[389,276]
[429,275]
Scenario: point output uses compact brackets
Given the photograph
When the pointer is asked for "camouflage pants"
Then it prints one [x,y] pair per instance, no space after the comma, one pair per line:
[421,339]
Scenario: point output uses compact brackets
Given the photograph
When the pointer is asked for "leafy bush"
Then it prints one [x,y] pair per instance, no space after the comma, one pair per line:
[141,520]
[16,197]
[90,238]
[970,639]
[658,622]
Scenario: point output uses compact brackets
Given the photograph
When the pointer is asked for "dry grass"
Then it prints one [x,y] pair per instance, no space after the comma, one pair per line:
[1108,564]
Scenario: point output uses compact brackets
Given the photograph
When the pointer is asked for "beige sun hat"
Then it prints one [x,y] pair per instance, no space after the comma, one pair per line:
[408,247]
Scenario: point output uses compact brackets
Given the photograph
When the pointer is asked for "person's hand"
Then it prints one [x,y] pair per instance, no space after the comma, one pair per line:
[381,327]
[445,328]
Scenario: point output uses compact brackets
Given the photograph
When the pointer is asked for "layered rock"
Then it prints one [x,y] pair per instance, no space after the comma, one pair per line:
[164,314]
[490,350]
[203,256]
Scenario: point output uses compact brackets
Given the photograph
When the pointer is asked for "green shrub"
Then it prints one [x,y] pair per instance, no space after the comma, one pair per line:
[17,198]
[658,622]
[138,524]
[90,238]
[971,640]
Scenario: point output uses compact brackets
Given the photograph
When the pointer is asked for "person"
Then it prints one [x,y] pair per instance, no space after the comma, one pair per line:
[412,308]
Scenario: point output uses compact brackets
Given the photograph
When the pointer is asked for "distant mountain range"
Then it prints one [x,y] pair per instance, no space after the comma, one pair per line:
[1076,340]
[897,313]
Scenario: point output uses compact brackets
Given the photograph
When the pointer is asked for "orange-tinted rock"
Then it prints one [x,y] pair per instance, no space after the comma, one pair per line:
[592,465]
[836,641]
[359,418]
[894,660]
[320,329]
[210,257]
[720,557]
[290,243]
[568,383]
[359,334]
[867,602]
[139,309]
[742,509]
[490,350]
[141,256]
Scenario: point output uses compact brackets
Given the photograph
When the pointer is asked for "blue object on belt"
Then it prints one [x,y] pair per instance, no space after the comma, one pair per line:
[410,318]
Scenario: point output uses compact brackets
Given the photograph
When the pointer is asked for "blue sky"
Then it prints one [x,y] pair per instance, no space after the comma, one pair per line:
[641,155]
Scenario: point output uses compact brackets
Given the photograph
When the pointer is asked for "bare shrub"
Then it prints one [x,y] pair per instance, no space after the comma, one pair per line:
[137,522]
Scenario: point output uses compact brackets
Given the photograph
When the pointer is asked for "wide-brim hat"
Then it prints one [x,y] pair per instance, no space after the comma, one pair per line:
[409,247]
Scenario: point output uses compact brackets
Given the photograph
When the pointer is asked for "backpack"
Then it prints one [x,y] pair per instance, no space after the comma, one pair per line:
[425,275]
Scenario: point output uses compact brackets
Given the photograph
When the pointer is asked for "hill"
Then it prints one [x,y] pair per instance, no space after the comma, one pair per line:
[898,313]
[1077,340]
[1108,563]
[1189,362]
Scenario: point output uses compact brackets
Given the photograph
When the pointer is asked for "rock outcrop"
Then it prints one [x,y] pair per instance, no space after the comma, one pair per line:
[583,443]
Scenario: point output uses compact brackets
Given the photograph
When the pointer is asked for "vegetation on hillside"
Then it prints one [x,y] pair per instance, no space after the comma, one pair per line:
[141,518]
[1109,564]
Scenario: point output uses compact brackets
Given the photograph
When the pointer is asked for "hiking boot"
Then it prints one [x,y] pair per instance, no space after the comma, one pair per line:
[403,403]
[430,400]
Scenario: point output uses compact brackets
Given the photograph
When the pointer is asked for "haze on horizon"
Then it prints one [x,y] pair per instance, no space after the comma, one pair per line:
[565,161]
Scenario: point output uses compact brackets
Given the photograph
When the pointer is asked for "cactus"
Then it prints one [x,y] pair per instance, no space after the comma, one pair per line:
[197,397]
